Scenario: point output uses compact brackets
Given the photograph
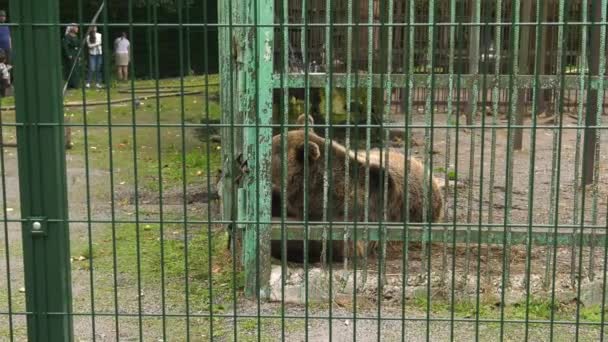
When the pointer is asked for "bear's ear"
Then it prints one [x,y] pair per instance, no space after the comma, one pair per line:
[301,121]
[314,152]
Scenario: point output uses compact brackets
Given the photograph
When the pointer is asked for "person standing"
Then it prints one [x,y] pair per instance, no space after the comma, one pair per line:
[95,56]
[5,37]
[122,53]
[5,79]
[71,46]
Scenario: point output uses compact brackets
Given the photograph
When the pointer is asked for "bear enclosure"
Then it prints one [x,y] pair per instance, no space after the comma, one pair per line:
[358,170]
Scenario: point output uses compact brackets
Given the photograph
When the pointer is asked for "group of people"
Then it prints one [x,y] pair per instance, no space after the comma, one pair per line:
[94,43]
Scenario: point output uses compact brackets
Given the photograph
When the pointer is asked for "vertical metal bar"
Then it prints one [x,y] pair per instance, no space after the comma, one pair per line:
[88,190]
[330,66]
[304,47]
[449,119]
[428,161]
[188,41]
[590,146]
[368,132]
[485,36]
[473,59]
[42,171]
[87,185]
[509,160]
[284,122]
[180,19]
[460,28]
[149,35]
[156,76]
[328,174]
[355,212]
[328,118]
[472,114]
[524,68]
[604,281]
[600,105]
[210,234]
[597,65]
[7,256]
[495,107]
[388,43]
[408,61]
[111,172]
[230,49]
[258,136]
[385,14]
[349,66]
[577,157]
[545,94]
[532,171]
[230,52]
[556,143]
[557,148]
[135,168]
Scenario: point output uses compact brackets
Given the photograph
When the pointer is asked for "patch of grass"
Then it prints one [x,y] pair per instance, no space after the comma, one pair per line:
[538,309]
[592,313]
[452,175]
[155,252]
[269,327]
[196,160]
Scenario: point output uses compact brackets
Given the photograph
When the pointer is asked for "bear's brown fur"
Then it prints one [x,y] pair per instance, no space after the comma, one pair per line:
[295,150]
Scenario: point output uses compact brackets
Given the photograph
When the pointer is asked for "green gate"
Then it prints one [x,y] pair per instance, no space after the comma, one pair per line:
[177,214]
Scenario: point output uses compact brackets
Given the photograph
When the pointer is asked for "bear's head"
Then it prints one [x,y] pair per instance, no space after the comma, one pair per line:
[290,151]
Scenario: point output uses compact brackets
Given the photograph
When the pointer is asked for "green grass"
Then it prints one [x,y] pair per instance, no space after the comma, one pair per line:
[183,159]
[179,148]
[537,309]
[450,173]
[202,249]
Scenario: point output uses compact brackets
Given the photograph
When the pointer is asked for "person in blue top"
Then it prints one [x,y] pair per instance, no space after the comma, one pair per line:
[5,37]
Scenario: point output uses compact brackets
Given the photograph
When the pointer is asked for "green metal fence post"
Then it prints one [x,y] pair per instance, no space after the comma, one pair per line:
[42,178]
[257,145]
[592,109]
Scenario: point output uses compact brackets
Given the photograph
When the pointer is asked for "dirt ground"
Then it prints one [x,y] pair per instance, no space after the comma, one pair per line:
[471,206]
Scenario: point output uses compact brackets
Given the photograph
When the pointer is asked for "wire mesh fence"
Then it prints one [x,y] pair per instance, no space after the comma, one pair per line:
[357,170]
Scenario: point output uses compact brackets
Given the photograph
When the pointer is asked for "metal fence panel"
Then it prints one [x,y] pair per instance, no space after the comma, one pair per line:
[357,170]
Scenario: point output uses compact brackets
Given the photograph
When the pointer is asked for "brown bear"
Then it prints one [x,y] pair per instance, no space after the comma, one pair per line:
[295,143]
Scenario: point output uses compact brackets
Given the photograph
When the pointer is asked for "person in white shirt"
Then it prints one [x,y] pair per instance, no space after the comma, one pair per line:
[122,53]
[5,78]
[95,56]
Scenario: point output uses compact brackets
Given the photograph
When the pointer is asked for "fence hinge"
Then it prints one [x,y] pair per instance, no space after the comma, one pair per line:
[38,226]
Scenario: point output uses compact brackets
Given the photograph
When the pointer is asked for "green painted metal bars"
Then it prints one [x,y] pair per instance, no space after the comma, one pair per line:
[42,172]
[515,82]
[501,231]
